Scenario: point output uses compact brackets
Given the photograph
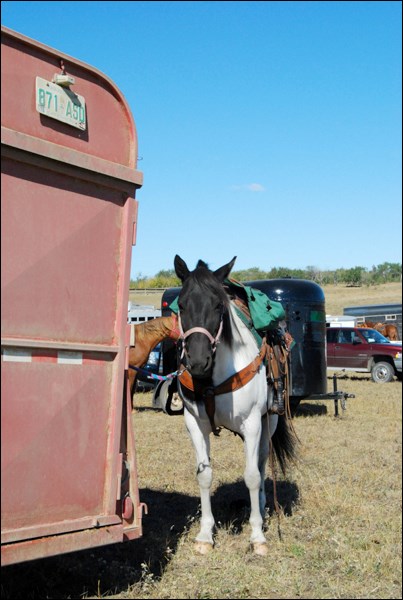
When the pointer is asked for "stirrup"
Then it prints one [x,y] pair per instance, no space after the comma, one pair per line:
[277,408]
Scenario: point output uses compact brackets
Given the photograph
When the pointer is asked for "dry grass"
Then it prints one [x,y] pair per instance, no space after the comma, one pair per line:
[339,535]
[339,296]
[336,296]
[341,526]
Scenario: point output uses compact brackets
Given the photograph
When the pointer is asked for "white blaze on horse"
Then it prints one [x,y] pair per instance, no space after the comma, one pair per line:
[217,350]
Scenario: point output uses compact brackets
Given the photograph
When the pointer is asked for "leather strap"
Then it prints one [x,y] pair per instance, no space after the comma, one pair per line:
[174,333]
[236,381]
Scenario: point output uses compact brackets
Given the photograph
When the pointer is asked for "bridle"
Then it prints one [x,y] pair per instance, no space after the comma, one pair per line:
[213,340]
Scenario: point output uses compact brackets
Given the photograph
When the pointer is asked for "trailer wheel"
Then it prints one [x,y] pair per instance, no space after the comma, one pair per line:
[164,395]
[382,372]
[168,398]
[156,402]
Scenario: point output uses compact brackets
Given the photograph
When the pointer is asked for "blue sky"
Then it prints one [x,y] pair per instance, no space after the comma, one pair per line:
[267,130]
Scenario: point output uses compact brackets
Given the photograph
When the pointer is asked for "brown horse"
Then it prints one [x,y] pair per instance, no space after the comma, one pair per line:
[147,336]
[370,325]
[389,331]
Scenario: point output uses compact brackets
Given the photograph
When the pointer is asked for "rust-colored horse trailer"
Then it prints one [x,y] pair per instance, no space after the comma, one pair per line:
[69,155]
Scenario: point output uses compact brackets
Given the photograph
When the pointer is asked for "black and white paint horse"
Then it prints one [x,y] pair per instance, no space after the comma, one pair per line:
[216,346]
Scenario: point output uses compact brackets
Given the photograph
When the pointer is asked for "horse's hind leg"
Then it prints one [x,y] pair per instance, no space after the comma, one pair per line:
[264,448]
[199,433]
[269,424]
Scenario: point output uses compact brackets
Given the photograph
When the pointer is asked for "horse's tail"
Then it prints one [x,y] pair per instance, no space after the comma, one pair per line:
[284,441]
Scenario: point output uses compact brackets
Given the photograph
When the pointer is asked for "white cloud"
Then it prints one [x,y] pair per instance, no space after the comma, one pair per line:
[255,187]
[249,187]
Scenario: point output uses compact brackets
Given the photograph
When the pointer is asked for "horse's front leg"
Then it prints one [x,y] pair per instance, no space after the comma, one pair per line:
[199,432]
[254,480]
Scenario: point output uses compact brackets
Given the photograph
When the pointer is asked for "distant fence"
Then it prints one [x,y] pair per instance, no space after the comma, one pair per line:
[147,291]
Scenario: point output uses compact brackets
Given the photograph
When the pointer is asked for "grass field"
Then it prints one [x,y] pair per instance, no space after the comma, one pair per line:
[338,536]
[336,296]
[340,532]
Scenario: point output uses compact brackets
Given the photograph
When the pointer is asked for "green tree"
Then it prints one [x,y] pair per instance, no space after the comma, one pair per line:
[383,273]
[354,276]
[249,274]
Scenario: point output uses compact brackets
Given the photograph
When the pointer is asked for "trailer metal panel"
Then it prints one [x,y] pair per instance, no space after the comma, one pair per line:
[69,217]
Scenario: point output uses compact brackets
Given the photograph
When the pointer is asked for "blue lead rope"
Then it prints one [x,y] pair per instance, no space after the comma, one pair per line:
[152,376]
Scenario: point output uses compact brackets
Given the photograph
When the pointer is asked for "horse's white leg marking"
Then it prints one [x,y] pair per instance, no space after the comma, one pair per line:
[252,475]
[199,432]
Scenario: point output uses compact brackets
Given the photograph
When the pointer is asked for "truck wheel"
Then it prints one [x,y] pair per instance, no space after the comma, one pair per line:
[382,372]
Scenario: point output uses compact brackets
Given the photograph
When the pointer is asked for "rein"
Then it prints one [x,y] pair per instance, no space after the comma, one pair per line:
[152,375]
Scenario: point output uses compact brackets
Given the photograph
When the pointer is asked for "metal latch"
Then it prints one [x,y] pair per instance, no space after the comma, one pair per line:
[63,80]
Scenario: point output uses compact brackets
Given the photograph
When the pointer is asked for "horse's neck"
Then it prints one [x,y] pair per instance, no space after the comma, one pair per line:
[153,332]
[244,349]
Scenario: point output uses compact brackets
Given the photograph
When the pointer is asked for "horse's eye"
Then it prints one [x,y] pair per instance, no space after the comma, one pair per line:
[181,307]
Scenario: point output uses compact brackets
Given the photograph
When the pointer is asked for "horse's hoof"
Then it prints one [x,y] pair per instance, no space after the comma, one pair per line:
[260,548]
[203,547]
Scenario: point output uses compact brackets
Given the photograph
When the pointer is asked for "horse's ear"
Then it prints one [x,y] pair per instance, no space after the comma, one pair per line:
[223,272]
[181,268]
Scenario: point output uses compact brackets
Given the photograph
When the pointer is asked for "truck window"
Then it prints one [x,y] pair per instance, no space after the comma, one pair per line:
[374,337]
[331,335]
[345,336]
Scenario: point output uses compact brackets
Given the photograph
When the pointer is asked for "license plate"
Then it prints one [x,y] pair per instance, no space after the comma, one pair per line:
[60,103]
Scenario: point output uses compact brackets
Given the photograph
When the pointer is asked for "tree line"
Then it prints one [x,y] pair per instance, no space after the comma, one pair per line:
[357,276]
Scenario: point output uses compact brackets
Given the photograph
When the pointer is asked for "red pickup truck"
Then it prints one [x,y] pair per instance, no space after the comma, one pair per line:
[364,350]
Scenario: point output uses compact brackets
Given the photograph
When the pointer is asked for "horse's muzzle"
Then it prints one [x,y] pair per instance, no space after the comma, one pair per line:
[201,367]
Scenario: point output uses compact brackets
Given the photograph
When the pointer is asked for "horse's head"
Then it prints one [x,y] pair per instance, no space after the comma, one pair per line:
[391,332]
[203,313]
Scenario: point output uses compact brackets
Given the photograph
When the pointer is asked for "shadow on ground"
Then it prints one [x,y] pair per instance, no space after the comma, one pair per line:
[112,569]
[109,568]
[310,409]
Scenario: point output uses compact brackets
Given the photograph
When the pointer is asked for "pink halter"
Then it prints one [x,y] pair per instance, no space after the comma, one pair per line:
[213,340]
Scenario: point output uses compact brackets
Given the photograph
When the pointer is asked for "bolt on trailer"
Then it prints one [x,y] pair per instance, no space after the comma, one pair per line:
[69,216]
